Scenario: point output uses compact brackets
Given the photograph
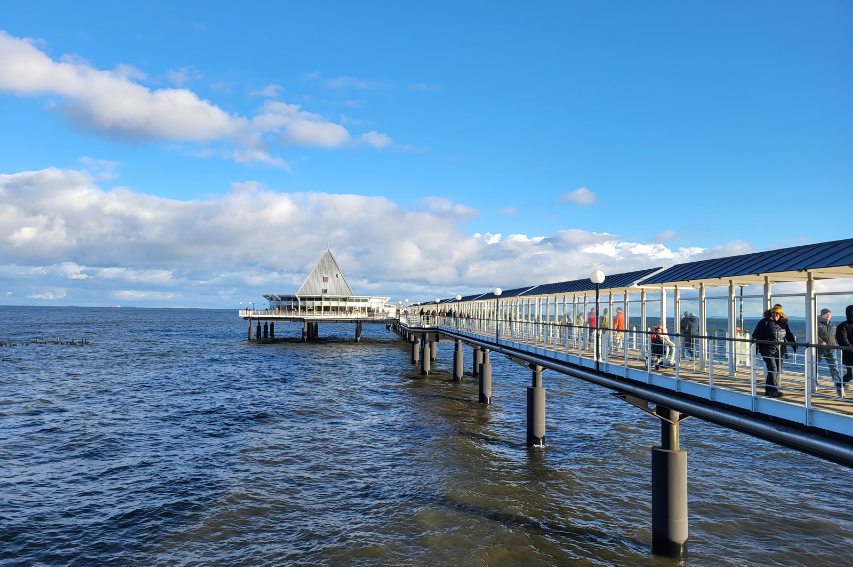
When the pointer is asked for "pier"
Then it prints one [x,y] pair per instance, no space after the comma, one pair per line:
[575,328]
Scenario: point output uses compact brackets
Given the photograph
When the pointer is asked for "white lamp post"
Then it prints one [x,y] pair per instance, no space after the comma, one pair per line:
[597,277]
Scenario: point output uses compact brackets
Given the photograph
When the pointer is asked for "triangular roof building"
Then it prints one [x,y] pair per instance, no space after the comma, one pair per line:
[326,279]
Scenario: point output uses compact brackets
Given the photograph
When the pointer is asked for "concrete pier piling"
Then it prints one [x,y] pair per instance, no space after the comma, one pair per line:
[266,330]
[433,347]
[416,349]
[669,490]
[536,409]
[251,330]
[478,360]
[258,332]
[272,330]
[304,331]
[425,356]
[358,331]
[458,365]
[485,376]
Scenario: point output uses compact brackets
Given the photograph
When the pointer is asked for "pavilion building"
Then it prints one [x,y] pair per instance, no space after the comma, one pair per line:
[326,292]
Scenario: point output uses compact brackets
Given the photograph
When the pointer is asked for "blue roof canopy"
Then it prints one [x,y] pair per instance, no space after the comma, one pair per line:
[824,260]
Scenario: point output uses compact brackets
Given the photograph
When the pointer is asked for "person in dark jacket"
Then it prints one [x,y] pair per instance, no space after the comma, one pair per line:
[689,326]
[844,338]
[771,329]
[789,336]
[826,337]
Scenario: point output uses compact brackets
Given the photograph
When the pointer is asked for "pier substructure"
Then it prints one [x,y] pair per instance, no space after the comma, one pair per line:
[358,331]
[315,330]
[416,348]
[669,489]
[258,332]
[458,368]
[251,330]
[304,331]
[425,355]
[272,330]
[433,348]
[266,330]
[478,360]
[485,376]
[669,482]
[536,409]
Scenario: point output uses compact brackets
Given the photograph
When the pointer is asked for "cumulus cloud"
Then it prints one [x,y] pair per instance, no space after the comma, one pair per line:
[112,104]
[354,82]
[59,228]
[377,140]
[581,196]
[269,91]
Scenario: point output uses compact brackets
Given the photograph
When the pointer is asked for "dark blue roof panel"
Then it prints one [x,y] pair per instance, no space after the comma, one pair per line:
[808,257]
[614,281]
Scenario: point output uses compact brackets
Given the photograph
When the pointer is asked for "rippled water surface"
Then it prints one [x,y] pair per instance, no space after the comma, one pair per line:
[170,440]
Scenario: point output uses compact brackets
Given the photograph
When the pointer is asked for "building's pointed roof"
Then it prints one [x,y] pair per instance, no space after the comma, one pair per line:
[326,279]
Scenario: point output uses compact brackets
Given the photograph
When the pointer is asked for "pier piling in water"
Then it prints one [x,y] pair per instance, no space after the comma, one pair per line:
[416,348]
[272,330]
[485,375]
[433,347]
[425,349]
[258,332]
[266,330]
[536,409]
[478,360]
[358,331]
[669,489]
[251,331]
[458,364]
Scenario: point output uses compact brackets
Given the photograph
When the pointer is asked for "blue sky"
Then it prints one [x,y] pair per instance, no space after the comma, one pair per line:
[700,129]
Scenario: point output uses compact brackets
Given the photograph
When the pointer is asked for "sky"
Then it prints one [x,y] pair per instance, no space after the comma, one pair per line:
[161,154]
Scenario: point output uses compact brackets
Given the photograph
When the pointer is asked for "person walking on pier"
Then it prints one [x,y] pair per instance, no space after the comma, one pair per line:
[771,329]
[661,347]
[844,338]
[619,326]
[826,336]
[690,327]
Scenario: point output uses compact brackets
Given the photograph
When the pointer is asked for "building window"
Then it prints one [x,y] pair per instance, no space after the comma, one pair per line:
[325,278]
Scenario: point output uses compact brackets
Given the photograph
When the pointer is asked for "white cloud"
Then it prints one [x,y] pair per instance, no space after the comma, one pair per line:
[581,196]
[354,82]
[59,227]
[183,75]
[57,294]
[507,212]
[111,104]
[269,91]
[376,139]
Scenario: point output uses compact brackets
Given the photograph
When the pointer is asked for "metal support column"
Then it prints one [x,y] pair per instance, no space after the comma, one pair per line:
[536,409]
[258,332]
[478,360]
[272,330]
[457,362]
[266,330]
[703,328]
[358,331]
[251,330]
[304,331]
[433,347]
[485,379]
[669,482]
[425,348]
[669,489]
[732,329]
[416,349]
